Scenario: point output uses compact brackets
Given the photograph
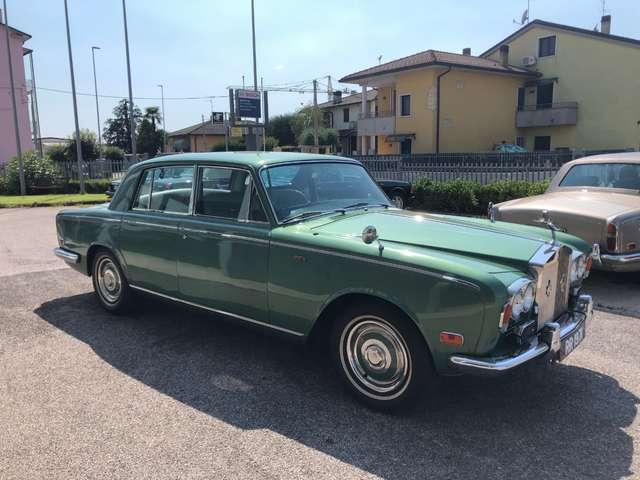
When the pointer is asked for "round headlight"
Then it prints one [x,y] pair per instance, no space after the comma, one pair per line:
[524,295]
[578,269]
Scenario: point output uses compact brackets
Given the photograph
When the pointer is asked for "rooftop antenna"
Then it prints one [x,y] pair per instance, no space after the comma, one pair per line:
[604,6]
[524,19]
[379,59]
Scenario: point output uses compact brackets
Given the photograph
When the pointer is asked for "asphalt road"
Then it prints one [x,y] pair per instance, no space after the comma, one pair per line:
[174,393]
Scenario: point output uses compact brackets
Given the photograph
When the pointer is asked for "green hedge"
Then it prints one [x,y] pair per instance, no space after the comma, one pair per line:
[99,185]
[470,198]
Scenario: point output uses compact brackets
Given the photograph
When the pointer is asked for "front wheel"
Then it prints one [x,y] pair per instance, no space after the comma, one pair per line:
[381,356]
[109,283]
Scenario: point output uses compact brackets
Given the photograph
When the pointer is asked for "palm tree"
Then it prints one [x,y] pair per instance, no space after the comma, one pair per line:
[153,115]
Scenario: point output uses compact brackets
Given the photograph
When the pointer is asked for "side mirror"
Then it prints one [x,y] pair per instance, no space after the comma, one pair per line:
[369,234]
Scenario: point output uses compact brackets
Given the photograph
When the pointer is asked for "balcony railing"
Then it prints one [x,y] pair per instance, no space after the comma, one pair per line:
[547,114]
[378,114]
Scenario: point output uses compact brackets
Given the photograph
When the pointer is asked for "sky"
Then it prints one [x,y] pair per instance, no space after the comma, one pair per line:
[197,48]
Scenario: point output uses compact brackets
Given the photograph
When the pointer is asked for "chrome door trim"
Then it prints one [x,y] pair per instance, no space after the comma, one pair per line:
[408,268]
[231,236]
[221,312]
[150,224]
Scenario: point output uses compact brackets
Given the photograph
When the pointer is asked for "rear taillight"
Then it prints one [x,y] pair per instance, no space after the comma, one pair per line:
[612,237]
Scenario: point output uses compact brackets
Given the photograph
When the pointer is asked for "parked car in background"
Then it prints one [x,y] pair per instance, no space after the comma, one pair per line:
[399,192]
[309,246]
[596,198]
[111,189]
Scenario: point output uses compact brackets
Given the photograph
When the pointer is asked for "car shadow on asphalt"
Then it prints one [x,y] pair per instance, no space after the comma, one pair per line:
[556,421]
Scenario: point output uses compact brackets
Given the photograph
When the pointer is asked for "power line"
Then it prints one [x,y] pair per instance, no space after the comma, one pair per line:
[57,90]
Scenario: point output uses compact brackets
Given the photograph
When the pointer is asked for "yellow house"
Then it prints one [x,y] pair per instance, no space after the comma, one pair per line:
[439,102]
[545,87]
[201,137]
[588,92]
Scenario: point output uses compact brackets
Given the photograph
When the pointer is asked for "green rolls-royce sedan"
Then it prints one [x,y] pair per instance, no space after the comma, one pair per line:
[309,246]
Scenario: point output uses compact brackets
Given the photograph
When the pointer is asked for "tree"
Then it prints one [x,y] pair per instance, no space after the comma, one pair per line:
[57,153]
[87,145]
[270,143]
[113,153]
[153,115]
[281,127]
[148,139]
[117,130]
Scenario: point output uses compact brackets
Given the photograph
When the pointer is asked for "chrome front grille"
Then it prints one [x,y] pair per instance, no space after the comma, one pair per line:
[552,295]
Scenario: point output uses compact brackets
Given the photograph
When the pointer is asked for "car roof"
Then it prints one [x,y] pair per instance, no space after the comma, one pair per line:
[626,157]
[252,159]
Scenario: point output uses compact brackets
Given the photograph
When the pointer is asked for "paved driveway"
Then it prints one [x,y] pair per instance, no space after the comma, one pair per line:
[174,393]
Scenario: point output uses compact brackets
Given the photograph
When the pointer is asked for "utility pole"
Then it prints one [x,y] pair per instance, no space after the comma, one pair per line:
[132,121]
[264,123]
[34,104]
[75,103]
[225,122]
[316,125]
[95,86]
[23,186]
[255,71]
[164,121]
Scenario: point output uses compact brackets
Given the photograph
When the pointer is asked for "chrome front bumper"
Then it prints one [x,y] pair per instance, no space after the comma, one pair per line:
[619,263]
[548,343]
[67,255]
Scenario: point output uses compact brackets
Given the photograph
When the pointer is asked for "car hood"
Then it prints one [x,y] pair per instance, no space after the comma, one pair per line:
[594,204]
[506,243]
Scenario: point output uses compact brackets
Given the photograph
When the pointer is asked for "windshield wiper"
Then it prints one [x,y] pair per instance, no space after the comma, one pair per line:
[364,204]
[303,215]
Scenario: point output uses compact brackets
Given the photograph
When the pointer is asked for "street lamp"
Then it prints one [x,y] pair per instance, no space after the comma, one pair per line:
[75,104]
[132,122]
[164,121]
[95,84]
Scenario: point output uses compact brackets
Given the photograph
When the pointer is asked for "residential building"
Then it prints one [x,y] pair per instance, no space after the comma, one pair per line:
[342,114]
[587,93]
[439,102]
[545,87]
[201,137]
[8,147]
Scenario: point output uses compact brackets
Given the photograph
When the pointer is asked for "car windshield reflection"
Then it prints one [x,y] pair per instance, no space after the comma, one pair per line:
[305,190]
[603,175]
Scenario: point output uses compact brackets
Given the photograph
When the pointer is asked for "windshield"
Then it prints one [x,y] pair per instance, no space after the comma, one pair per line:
[603,175]
[296,190]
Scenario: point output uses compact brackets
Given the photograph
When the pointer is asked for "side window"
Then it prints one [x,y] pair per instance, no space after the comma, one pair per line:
[144,191]
[165,189]
[221,192]
[256,212]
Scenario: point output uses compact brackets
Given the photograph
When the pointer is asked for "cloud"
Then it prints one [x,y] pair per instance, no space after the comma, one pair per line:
[279,67]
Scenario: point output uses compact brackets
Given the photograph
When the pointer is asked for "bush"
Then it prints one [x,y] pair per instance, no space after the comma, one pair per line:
[235,145]
[3,185]
[111,152]
[40,172]
[470,198]
[271,143]
[57,153]
[98,185]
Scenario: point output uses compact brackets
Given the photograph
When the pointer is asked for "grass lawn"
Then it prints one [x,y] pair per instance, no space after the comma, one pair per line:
[7,201]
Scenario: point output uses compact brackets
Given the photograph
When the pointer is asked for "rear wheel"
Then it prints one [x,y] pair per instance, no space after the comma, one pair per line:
[380,356]
[109,283]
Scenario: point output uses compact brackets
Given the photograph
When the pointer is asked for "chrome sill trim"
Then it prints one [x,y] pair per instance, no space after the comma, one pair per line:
[408,268]
[221,312]
[66,255]
[620,259]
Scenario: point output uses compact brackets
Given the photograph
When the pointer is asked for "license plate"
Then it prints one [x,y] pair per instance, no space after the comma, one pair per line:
[570,342]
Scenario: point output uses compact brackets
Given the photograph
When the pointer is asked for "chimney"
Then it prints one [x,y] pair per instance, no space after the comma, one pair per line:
[605,24]
[337,97]
[466,51]
[504,54]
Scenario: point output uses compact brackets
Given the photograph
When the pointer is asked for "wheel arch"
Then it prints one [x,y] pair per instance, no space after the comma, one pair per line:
[322,326]
[95,247]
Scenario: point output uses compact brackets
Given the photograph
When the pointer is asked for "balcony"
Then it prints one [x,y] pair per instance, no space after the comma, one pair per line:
[547,115]
[379,123]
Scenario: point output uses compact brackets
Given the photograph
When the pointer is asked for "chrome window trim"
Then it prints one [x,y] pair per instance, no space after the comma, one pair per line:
[408,268]
[221,312]
[148,210]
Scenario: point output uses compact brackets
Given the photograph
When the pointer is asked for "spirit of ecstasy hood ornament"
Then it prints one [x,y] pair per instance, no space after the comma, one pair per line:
[546,220]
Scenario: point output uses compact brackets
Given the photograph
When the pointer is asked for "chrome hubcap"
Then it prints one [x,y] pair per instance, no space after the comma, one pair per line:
[375,357]
[109,282]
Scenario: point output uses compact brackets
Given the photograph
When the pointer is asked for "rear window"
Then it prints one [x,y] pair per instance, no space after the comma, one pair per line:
[603,175]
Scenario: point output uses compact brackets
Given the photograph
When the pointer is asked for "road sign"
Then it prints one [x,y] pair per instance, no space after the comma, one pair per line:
[217,117]
[248,103]
[236,132]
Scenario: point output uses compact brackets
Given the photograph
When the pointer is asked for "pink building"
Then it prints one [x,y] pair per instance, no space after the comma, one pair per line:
[7,132]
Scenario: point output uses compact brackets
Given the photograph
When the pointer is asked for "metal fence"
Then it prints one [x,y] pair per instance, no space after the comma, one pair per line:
[482,167]
[112,169]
